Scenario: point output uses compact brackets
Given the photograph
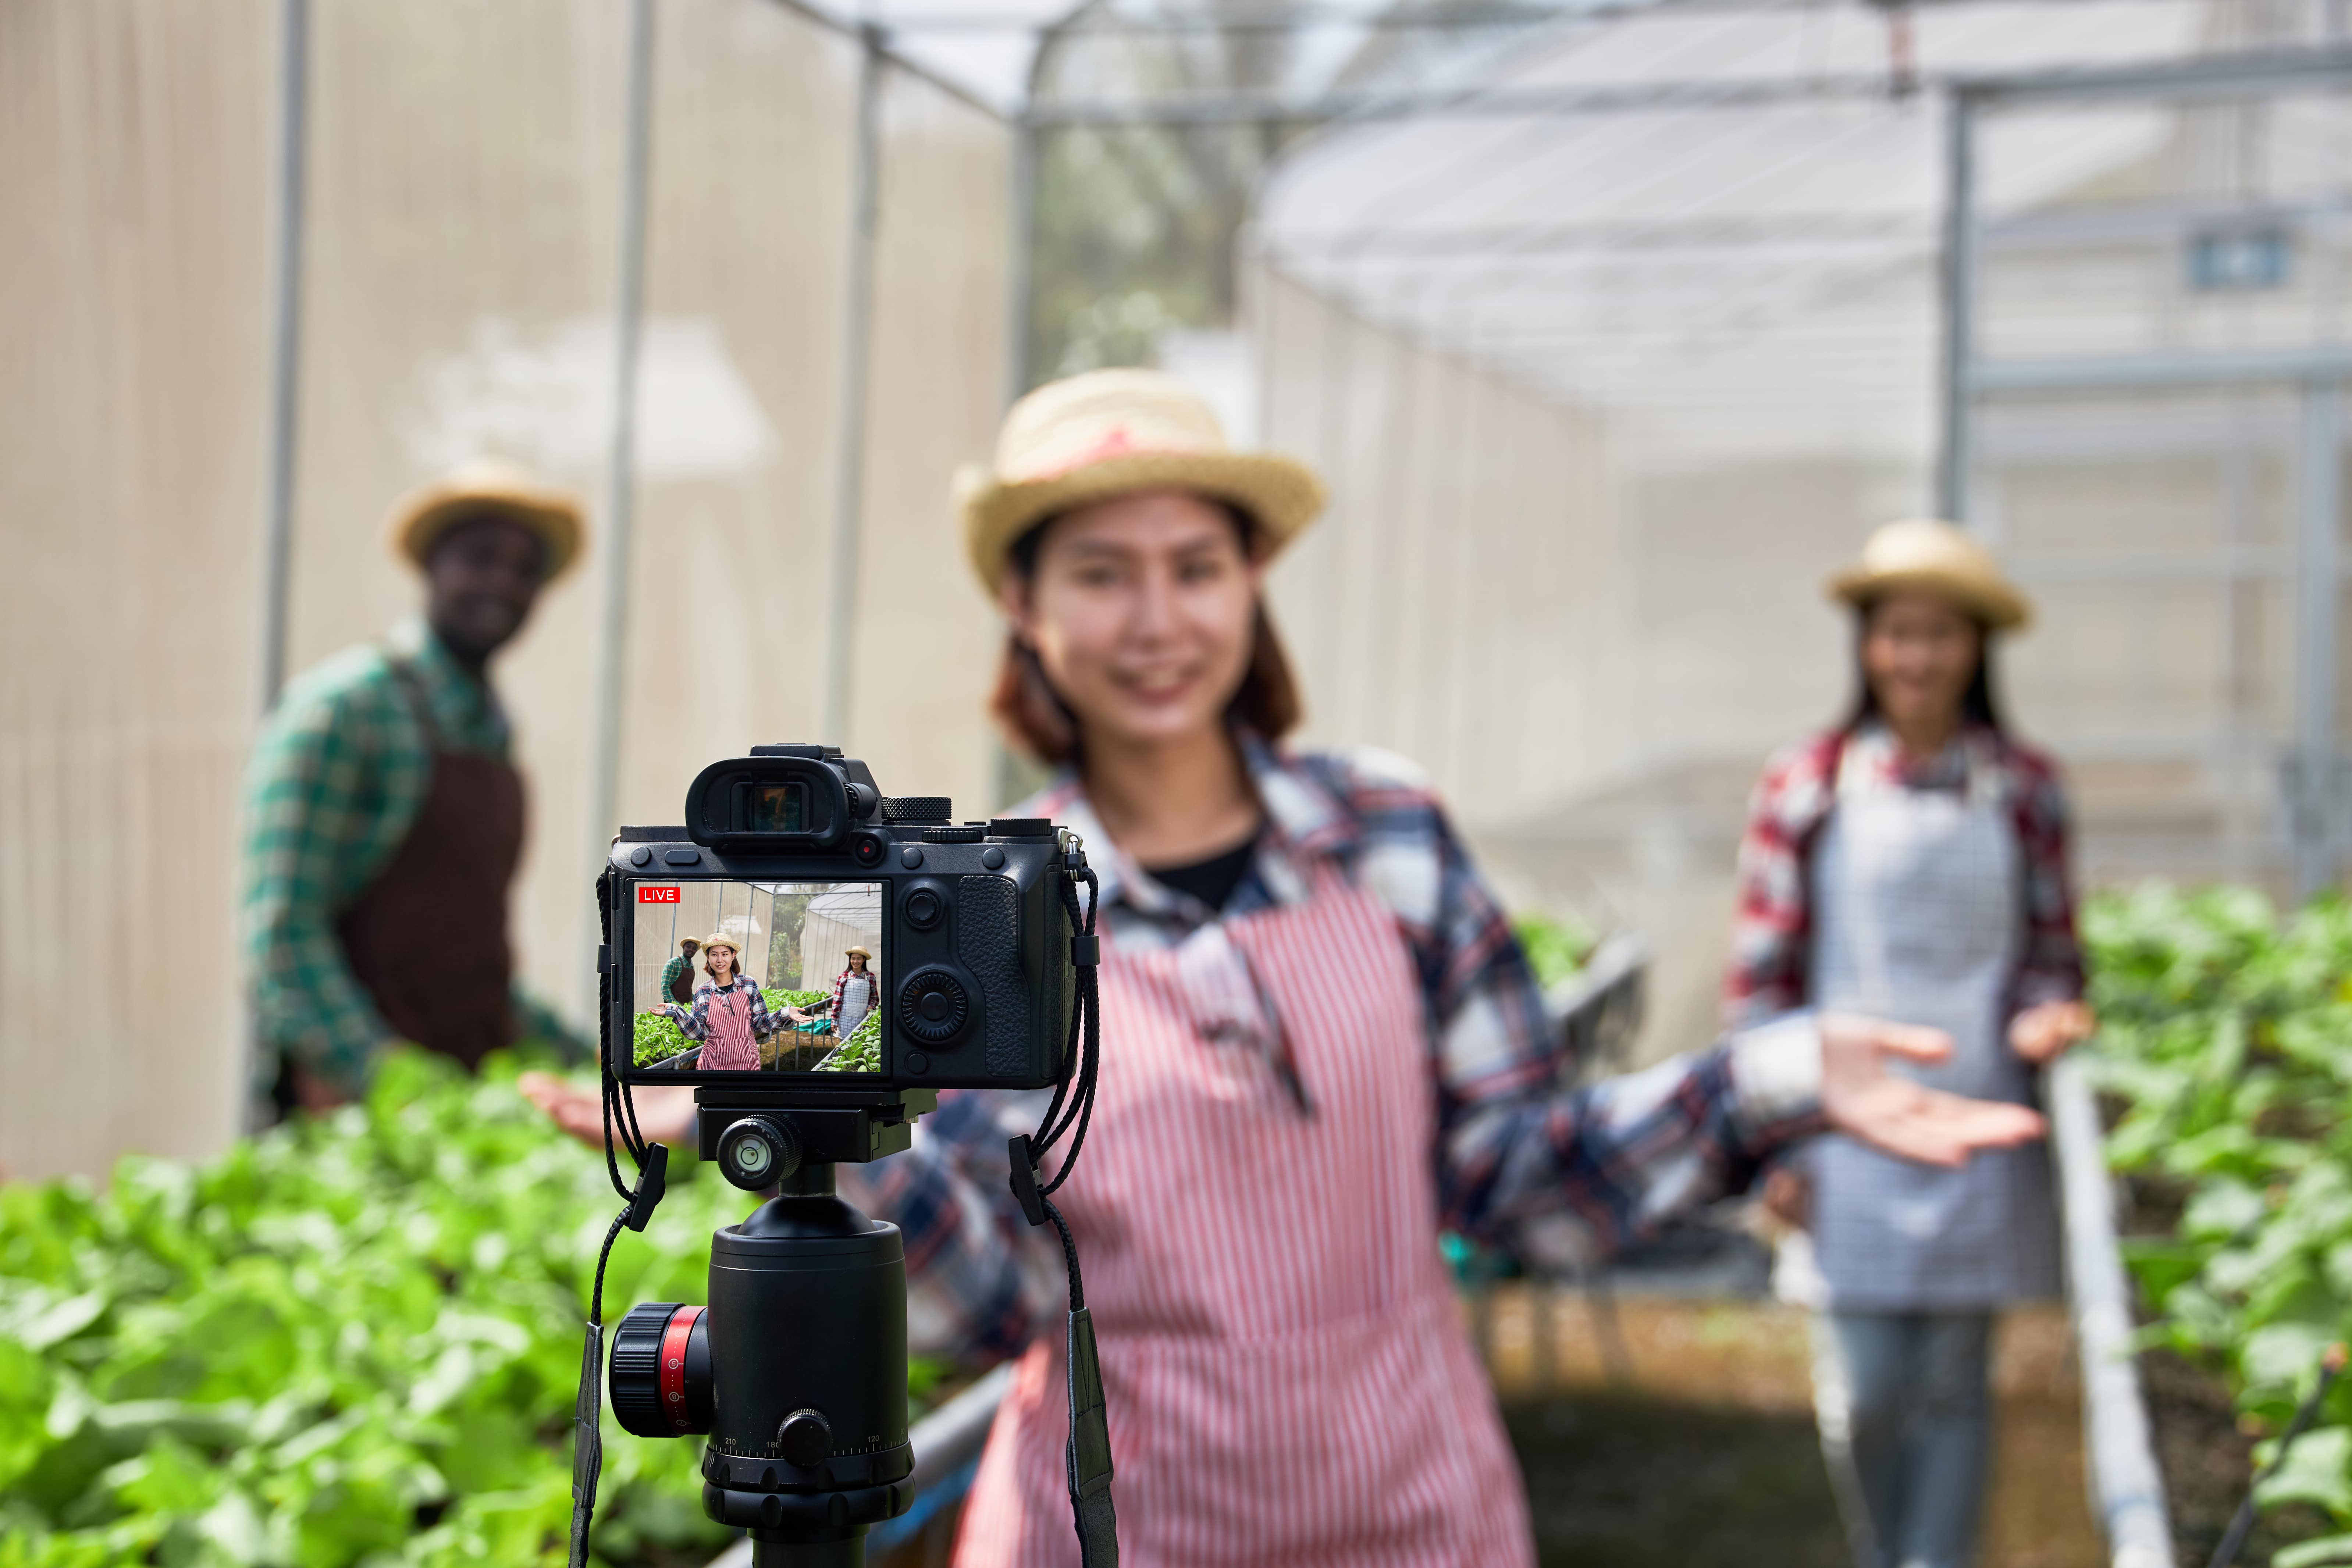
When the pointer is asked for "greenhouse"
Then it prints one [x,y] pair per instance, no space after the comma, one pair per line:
[1613,328]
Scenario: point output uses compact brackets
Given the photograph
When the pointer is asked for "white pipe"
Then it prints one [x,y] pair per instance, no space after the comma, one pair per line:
[2126,1487]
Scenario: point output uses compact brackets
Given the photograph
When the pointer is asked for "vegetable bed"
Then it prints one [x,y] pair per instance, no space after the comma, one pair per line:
[657,1037]
[2225,1053]
[354,1339]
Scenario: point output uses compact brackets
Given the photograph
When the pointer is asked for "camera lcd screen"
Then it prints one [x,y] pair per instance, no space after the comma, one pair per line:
[742,976]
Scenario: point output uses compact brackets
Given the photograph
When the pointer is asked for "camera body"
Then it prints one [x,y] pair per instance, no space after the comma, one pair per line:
[951,940]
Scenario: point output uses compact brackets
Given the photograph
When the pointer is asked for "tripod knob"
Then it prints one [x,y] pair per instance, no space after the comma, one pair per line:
[804,1439]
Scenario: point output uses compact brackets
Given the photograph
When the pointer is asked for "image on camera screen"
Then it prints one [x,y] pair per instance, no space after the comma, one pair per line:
[757,977]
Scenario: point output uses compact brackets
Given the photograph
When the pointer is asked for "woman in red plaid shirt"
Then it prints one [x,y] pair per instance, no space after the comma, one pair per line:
[1911,864]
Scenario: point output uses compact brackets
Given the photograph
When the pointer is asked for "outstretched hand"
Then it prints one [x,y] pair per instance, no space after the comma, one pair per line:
[1862,1098]
[665,1115]
[2041,1034]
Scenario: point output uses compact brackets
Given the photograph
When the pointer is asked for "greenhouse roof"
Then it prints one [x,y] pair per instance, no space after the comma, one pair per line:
[1757,219]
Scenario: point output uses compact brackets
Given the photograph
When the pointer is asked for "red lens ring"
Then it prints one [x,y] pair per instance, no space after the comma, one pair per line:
[674,1333]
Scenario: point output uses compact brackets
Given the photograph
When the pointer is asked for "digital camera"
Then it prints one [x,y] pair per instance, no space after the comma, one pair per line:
[880,952]
[816,960]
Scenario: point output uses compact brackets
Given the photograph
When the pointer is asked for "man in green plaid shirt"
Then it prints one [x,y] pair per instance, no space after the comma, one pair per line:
[383,819]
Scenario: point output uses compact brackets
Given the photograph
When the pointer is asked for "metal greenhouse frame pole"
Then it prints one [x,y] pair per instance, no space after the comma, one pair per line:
[2315,765]
[636,144]
[285,340]
[856,362]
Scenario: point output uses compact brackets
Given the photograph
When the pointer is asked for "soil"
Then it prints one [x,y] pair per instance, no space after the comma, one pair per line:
[1680,1432]
[2205,1459]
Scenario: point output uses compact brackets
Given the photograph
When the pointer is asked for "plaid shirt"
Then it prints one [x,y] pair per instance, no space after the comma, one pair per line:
[1771,960]
[336,781]
[841,984]
[1566,1173]
[695,1021]
[681,965]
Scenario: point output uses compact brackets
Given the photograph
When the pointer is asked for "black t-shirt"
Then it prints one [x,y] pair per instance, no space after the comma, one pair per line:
[1210,881]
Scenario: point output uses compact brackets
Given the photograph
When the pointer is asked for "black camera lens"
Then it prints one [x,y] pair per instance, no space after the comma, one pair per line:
[756,1152]
[660,1376]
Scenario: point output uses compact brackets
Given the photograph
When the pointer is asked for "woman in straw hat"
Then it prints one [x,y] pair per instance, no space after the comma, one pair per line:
[1911,864]
[852,991]
[729,1017]
[1320,1044]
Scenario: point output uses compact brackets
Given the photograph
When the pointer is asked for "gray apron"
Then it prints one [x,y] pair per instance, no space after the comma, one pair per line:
[1918,916]
[856,1000]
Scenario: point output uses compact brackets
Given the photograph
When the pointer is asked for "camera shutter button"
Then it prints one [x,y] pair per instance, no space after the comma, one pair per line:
[804,1439]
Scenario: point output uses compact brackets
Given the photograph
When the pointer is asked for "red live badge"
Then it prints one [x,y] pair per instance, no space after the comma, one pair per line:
[657,894]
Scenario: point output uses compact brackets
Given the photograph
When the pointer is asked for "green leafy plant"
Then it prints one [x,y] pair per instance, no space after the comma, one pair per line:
[1555,949]
[352,1340]
[657,1037]
[2226,1040]
[861,1053]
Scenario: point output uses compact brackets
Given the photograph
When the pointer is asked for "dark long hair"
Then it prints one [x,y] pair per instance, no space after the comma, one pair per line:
[1978,704]
[1035,718]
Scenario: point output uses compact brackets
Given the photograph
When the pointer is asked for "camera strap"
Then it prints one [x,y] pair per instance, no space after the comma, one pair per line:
[640,1202]
[1088,1456]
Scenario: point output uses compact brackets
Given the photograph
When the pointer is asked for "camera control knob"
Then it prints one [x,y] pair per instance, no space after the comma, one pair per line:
[805,1438]
[659,1376]
[932,1007]
[917,808]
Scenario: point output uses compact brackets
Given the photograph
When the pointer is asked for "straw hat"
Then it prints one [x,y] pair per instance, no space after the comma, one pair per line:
[1933,557]
[854,952]
[720,939]
[1107,433]
[489,486]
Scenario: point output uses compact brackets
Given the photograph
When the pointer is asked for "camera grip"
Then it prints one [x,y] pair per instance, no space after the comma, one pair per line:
[988,942]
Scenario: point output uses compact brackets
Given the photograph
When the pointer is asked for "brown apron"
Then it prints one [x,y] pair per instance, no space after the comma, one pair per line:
[428,937]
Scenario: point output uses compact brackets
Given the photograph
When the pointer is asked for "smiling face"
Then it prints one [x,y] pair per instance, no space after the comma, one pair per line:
[1142,610]
[482,576]
[1919,653]
[720,959]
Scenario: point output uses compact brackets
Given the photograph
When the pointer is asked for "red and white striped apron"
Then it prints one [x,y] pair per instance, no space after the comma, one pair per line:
[728,1045]
[1287,1377]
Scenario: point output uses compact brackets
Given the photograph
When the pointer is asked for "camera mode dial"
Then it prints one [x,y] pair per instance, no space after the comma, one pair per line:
[933,1006]
[917,808]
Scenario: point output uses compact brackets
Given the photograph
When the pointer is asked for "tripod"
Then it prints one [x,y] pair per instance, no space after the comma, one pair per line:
[797,1370]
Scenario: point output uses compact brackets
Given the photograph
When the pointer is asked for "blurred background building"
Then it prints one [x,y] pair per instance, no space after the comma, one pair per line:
[1614,324]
